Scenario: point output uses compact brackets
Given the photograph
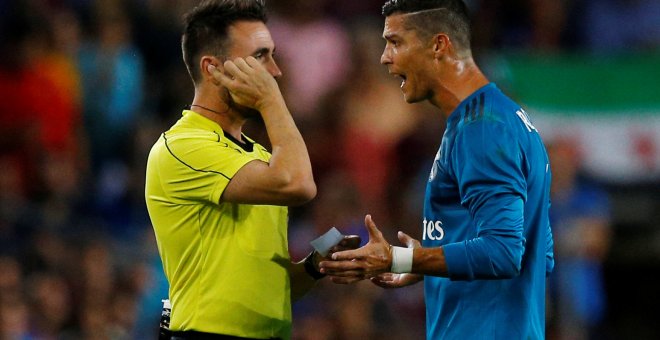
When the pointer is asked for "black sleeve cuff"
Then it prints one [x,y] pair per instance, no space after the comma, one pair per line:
[310,269]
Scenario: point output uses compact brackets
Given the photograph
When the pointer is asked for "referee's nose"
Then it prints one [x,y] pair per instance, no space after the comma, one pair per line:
[273,69]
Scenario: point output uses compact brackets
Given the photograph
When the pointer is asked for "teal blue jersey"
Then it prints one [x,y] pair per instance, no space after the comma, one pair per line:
[486,204]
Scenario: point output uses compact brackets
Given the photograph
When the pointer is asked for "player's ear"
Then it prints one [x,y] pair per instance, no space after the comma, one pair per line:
[441,45]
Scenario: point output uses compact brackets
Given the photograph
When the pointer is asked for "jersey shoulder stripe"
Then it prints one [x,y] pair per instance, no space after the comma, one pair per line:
[167,146]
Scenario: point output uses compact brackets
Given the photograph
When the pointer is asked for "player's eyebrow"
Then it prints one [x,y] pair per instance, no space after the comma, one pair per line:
[390,36]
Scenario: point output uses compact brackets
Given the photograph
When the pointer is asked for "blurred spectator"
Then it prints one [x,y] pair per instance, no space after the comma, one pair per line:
[14,318]
[112,77]
[580,219]
[39,97]
[354,11]
[548,20]
[16,210]
[51,307]
[157,29]
[318,46]
[621,25]
[373,120]
[113,80]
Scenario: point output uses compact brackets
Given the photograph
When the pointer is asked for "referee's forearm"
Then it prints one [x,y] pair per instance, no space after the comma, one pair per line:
[301,281]
[289,152]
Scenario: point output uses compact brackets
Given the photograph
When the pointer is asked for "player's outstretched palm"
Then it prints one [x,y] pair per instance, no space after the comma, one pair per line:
[393,280]
[366,262]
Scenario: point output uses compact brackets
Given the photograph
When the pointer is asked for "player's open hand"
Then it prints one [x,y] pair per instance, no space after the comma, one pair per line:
[354,265]
[393,280]
[248,82]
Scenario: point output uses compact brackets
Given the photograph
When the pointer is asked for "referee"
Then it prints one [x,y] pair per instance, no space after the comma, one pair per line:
[218,200]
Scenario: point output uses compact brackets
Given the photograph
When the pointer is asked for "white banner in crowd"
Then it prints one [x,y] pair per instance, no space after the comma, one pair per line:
[620,147]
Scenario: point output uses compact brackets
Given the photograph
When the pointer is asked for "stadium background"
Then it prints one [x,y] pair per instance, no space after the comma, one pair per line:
[86,87]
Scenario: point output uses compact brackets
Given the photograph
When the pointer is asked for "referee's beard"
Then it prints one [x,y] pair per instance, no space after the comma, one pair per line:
[244,111]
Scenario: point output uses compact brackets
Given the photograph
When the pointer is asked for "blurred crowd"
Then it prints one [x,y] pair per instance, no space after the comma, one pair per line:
[86,87]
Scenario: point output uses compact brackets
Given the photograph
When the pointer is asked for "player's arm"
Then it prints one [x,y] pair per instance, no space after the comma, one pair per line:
[490,183]
[377,259]
[488,165]
[549,250]
[287,178]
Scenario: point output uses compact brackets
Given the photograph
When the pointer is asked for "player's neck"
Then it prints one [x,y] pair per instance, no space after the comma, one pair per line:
[462,80]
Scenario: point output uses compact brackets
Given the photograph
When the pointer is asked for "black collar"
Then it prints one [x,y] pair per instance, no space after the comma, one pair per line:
[247,145]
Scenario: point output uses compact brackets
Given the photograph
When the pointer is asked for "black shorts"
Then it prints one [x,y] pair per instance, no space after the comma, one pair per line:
[193,335]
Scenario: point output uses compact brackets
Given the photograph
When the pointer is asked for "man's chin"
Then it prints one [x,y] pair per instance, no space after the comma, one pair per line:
[410,99]
[244,111]
[249,113]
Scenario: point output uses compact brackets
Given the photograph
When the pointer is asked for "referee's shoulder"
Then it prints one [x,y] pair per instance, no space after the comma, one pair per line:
[186,135]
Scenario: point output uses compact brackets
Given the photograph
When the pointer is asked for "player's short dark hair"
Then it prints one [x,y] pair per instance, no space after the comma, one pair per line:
[434,16]
[206,28]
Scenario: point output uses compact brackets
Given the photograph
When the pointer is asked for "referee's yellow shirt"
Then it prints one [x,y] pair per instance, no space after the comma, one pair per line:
[227,264]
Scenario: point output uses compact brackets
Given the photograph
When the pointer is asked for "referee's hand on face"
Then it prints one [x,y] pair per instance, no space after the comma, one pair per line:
[249,83]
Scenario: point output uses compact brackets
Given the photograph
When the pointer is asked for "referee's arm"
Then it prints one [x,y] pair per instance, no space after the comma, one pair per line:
[305,273]
[304,278]
[286,179]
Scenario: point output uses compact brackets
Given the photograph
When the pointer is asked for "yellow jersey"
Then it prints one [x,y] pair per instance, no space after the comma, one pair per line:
[227,263]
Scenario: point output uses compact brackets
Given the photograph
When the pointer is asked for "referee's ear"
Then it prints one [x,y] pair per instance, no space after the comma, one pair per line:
[204,63]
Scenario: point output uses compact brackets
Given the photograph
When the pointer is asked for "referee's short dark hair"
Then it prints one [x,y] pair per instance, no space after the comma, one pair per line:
[206,28]
[435,16]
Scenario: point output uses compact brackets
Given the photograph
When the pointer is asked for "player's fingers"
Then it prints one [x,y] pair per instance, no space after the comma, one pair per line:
[385,277]
[345,280]
[339,266]
[407,240]
[374,233]
[348,255]
[346,274]
[382,283]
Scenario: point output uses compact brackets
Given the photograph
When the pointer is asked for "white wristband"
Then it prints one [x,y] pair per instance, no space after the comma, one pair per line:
[402,260]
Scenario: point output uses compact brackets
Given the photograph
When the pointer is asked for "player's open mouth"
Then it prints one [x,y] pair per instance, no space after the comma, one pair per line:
[403,79]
